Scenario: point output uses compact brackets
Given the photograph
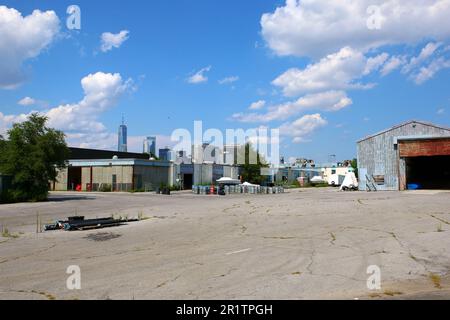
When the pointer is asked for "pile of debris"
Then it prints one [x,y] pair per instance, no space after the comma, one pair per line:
[78,223]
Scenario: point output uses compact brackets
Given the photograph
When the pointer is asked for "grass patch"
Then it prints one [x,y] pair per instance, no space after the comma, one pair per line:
[298,273]
[333,237]
[439,228]
[413,257]
[436,279]
[7,234]
[142,217]
[392,293]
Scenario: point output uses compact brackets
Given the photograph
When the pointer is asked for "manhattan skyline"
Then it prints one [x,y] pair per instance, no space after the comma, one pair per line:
[229,64]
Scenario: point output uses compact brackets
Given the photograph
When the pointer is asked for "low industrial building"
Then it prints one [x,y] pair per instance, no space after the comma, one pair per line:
[292,173]
[410,155]
[204,174]
[100,170]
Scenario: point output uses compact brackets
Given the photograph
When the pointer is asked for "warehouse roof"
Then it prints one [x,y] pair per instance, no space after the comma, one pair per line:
[117,162]
[87,154]
[402,125]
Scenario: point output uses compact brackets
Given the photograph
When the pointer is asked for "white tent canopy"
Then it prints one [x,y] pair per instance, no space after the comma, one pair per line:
[247,184]
[227,180]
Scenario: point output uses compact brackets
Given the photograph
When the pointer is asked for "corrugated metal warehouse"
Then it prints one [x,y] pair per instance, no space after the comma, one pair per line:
[414,152]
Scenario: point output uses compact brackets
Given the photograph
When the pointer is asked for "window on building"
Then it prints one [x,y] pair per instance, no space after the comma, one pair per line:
[379,179]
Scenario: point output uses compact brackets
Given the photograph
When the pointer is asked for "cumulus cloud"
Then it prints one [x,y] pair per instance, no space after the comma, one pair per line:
[392,64]
[324,101]
[199,76]
[27,101]
[375,63]
[425,53]
[23,38]
[427,72]
[228,80]
[113,40]
[80,120]
[257,105]
[314,28]
[302,128]
[101,92]
[7,120]
[336,71]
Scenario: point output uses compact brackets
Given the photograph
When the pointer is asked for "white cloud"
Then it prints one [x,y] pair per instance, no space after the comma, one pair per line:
[80,120]
[257,105]
[393,63]
[375,63]
[335,72]
[199,76]
[101,92]
[110,40]
[427,72]
[426,53]
[228,80]
[23,38]
[27,101]
[6,121]
[440,111]
[325,101]
[303,127]
[314,28]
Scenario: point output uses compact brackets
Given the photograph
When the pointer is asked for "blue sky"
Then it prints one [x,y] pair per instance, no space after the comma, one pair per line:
[147,75]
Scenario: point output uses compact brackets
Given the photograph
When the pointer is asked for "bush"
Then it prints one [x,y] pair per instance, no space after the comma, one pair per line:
[106,187]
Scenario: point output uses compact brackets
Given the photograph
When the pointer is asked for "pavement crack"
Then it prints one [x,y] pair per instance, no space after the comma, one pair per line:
[162,284]
[47,295]
[439,219]
[30,255]
[311,262]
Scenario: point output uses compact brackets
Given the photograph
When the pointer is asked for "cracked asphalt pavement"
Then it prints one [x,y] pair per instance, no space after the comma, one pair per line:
[303,244]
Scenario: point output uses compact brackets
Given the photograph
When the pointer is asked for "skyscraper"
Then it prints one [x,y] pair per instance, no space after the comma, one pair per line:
[122,143]
[150,146]
[166,154]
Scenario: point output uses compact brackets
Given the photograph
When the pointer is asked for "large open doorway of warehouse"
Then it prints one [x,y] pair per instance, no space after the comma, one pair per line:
[431,172]
[73,178]
[187,181]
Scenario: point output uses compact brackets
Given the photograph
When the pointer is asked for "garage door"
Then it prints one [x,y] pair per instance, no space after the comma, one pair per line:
[424,148]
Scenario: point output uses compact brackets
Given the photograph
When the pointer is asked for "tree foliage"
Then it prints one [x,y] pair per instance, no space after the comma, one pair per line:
[251,163]
[355,166]
[31,156]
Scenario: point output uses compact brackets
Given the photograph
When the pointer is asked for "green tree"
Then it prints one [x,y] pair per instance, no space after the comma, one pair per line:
[151,155]
[31,155]
[355,166]
[252,165]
